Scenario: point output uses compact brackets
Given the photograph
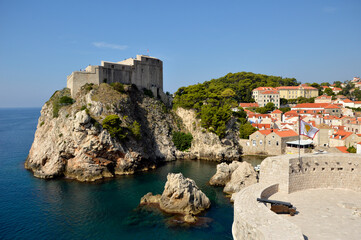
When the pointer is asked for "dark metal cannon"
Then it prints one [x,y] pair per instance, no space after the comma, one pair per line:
[279,206]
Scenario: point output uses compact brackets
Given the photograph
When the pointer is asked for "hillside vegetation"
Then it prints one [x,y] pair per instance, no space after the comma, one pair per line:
[214,99]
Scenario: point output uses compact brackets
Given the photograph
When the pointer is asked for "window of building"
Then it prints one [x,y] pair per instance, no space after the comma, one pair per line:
[260,142]
[277,143]
[254,142]
[269,142]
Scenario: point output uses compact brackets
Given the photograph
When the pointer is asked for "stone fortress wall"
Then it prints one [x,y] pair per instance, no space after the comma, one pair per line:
[143,71]
[253,220]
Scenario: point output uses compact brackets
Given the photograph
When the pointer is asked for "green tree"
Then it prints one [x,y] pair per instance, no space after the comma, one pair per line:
[351,149]
[270,106]
[228,93]
[182,141]
[338,84]
[325,84]
[135,128]
[283,101]
[329,92]
[285,109]
[112,124]
[245,130]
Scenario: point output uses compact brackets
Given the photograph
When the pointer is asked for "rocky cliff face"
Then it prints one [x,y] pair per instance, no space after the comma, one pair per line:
[71,142]
[207,145]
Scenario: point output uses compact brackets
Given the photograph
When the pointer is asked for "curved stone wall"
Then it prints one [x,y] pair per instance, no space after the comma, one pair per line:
[313,171]
[253,220]
[288,173]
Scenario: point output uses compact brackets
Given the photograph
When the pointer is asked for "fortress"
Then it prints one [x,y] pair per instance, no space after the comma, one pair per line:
[143,71]
[287,174]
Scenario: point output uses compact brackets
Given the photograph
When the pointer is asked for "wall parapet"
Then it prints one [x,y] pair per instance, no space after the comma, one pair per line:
[253,220]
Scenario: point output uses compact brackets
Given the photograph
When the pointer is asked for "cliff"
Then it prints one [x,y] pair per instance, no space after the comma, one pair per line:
[70,140]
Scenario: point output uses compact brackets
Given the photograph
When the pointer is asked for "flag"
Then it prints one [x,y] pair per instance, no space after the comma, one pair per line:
[307,129]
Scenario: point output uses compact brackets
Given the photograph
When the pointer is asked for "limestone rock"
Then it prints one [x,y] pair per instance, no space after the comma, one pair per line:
[150,198]
[207,145]
[223,174]
[242,177]
[74,145]
[181,195]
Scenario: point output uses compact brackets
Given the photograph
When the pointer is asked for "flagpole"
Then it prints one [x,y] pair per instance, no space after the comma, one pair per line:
[299,137]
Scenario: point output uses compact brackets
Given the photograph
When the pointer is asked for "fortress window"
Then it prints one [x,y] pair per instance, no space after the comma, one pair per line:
[323,169]
[112,66]
[339,169]
[352,169]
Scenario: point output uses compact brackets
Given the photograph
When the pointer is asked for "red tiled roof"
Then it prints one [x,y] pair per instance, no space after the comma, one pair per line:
[336,89]
[277,111]
[324,96]
[332,106]
[296,87]
[342,149]
[264,88]
[311,105]
[324,87]
[285,133]
[357,102]
[247,105]
[261,125]
[269,92]
[347,100]
[341,133]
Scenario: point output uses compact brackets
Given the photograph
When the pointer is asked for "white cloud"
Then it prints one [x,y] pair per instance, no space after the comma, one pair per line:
[329,9]
[109,45]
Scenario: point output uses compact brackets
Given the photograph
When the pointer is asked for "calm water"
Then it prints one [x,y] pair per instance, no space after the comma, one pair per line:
[32,208]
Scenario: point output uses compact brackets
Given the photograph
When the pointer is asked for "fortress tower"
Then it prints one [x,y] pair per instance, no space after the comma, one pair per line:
[143,71]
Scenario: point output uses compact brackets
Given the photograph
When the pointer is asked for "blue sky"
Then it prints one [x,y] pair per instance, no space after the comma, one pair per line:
[44,41]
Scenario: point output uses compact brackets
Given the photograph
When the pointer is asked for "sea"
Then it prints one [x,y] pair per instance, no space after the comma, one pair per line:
[32,208]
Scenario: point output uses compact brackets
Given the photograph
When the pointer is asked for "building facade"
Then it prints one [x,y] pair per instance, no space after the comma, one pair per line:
[264,95]
[294,92]
[143,71]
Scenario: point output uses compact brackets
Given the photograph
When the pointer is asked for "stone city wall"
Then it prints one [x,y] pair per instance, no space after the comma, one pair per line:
[253,220]
[337,170]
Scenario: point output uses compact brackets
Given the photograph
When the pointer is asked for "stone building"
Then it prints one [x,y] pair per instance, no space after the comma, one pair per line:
[294,92]
[343,138]
[270,142]
[264,95]
[323,99]
[143,71]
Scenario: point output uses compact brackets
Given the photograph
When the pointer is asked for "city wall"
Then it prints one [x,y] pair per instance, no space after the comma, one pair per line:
[253,220]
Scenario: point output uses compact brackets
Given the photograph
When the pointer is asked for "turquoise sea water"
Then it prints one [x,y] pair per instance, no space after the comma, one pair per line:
[32,208]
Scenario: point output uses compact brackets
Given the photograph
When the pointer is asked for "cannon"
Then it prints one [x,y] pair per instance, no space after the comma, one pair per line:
[279,206]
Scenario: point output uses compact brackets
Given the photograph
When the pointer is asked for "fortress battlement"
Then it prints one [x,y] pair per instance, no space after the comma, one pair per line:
[143,71]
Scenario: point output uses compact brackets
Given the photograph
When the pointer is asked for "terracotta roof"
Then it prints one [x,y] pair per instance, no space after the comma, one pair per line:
[277,111]
[341,133]
[332,106]
[311,105]
[296,87]
[269,92]
[342,149]
[287,133]
[324,96]
[357,102]
[347,100]
[336,89]
[261,125]
[284,133]
[324,87]
[264,88]
[247,105]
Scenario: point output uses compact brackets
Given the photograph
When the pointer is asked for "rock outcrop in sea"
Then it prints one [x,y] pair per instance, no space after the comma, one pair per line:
[71,142]
[180,195]
[234,176]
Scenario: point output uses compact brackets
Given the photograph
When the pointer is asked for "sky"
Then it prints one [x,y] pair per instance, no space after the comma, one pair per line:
[41,42]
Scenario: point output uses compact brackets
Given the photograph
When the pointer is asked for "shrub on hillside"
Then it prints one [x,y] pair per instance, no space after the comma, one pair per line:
[148,92]
[135,128]
[182,141]
[112,124]
[351,149]
[118,87]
